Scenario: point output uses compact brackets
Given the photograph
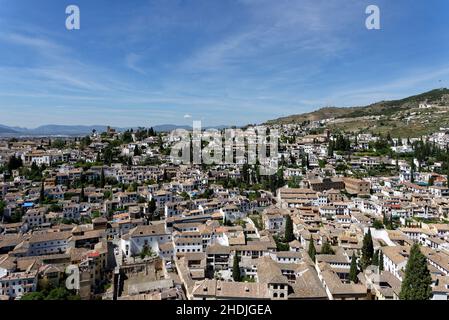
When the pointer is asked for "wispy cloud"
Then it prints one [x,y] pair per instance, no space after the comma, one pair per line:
[224,61]
[132,60]
[277,29]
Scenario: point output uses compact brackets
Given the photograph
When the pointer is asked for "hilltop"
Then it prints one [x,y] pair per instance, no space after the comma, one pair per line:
[402,117]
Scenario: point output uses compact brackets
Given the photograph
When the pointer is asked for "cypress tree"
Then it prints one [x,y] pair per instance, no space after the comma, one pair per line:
[42,193]
[330,149]
[236,268]
[447,176]
[381,261]
[412,172]
[152,208]
[417,279]
[353,271]
[312,250]
[137,151]
[102,178]
[376,258]
[390,222]
[289,229]
[367,250]
[82,195]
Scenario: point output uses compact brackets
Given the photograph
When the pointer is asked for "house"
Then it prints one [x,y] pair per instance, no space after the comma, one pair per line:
[395,259]
[274,219]
[35,218]
[357,186]
[337,288]
[16,284]
[144,236]
[43,243]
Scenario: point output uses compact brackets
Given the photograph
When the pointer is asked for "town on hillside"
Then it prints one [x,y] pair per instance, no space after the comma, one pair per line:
[111,216]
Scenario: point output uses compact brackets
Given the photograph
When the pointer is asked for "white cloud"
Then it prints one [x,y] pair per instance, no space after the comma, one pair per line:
[132,60]
[187,116]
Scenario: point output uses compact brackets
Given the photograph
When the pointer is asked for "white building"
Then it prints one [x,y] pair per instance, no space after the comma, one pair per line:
[48,243]
[144,236]
[17,284]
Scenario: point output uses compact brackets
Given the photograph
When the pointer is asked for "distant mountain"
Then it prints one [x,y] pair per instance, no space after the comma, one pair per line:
[170,127]
[78,130]
[54,129]
[6,130]
[50,130]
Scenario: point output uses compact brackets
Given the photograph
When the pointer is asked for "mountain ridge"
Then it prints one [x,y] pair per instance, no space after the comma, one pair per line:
[78,130]
[385,107]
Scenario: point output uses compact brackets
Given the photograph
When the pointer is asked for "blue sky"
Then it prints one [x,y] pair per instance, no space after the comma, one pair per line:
[141,63]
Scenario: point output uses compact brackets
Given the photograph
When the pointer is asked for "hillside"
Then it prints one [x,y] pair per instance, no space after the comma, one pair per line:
[401,117]
[323,113]
[7,130]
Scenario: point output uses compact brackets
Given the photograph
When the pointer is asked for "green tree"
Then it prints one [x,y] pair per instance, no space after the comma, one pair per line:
[326,248]
[2,208]
[330,149]
[353,271]
[236,268]
[58,294]
[417,279]
[289,229]
[390,225]
[14,163]
[102,178]
[33,296]
[431,181]
[281,246]
[377,224]
[376,258]
[127,137]
[367,250]
[58,144]
[34,173]
[137,151]
[151,208]
[146,252]
[312,250]
[82,195]
[447,175]
[42,193]
[381,260]
[227,222]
